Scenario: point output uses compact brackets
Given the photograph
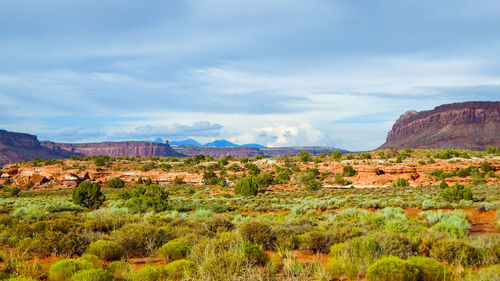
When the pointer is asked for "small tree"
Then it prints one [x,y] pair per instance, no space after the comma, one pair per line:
[88,195]
[349,171]
[304,156]
[116,183]
[246,186]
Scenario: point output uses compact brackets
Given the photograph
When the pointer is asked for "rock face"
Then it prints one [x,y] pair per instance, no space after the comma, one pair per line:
[16,147]
[470,125]
[115,149]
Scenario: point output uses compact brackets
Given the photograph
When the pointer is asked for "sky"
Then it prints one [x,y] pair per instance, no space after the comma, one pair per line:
[278,73]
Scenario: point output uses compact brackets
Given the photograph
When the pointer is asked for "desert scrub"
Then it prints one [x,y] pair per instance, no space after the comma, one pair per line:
[348,171]
[63,270]
[180,268]
[116,183]
[106,250]
[258,233]
[400,182]
[93,275]
[392,269]
[173,250]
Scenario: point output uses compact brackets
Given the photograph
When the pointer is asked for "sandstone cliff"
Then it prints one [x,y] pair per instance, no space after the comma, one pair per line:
[16,147]
[115,149]
[470,125]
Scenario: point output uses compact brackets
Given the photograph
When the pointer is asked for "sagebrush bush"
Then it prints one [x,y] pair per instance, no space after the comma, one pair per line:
[453,226]
[455,252]
[120,270]
[180,268]
[392,269]
[63,270]
[400,182]
[92,275]
[430,269]
[258,233]
[173,250]
[106,250]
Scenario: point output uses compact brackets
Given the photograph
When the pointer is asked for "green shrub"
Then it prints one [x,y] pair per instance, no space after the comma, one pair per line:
[489,273]
[304,156]
[430,269]
[88,195]
[313,185]
[392,269]
[456,193]
[246,186]
[400,182]
[348,171]
[92,275]
[180,268]
[62,270]
[455,252]
[258,233]
[453,226]
[173,250]
[264,179]
[283,176]
[340,180]
[120,270]
[254,253]
[151,273]
[116,183]
[492,149]
[178,181]
[106,250]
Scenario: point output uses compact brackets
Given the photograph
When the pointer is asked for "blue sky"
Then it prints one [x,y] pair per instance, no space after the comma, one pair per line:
[278,73]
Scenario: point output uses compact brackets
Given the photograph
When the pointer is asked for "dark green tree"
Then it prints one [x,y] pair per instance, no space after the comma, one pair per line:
[247,186]
[88,195]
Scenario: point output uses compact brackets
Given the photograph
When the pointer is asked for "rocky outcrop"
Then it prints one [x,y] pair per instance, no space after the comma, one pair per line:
[470,125]
[15,147]
[115,149]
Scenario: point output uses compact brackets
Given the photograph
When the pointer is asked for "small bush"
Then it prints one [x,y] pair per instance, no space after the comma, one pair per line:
[63,270]
[400,182]
[173,250]
[246,186]
[120,270]
[313,185]
[258,233]
[254,253]
[455,252]
[453,226]
[178,181]
[106,250]
[430,269]
[116,183]
[92,275]
[392,269]
[348,171]
[456,193]
[151,273]
[180,268]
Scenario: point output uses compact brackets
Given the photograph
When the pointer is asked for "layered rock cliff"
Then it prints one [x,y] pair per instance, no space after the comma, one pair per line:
[470,125]
[16,147]
[115,149]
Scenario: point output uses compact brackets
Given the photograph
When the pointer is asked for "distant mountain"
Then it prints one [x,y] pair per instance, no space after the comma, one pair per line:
[471,125]
[221,143]
[185,142]
[254,145]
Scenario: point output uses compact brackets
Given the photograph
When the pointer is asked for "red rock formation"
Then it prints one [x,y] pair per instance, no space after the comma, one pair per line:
[116,149]
[16,147]
[471,125]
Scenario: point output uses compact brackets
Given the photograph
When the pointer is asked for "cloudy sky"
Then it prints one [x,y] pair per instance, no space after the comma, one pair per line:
[279,73]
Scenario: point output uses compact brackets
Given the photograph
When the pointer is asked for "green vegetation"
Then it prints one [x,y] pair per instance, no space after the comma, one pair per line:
[275,223]
[88,195]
